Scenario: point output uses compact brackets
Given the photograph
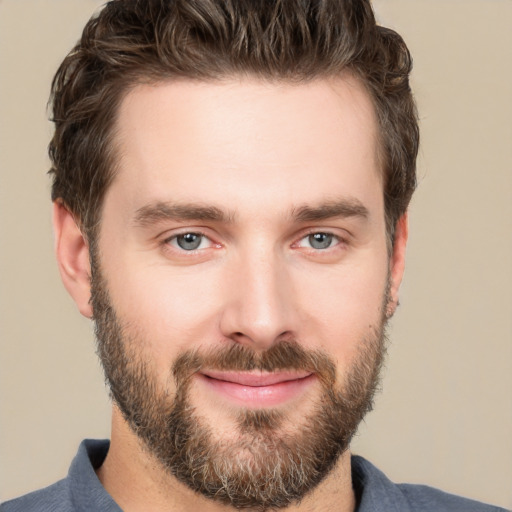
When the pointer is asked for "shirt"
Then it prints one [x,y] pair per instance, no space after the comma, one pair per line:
[81,490]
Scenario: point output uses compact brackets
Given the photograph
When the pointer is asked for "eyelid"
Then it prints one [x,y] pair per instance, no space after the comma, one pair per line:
[173,241]
[342,239]
[328,233]
[174,248]
[340,234]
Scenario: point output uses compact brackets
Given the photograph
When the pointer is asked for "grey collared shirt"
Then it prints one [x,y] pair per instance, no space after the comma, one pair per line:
[81,491]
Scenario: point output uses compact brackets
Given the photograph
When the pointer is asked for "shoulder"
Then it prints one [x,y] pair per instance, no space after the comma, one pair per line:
[423,498]
[80,490]
[376,493]
[54,498]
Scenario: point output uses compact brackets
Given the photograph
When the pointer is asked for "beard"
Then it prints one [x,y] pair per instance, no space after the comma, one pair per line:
[271,463]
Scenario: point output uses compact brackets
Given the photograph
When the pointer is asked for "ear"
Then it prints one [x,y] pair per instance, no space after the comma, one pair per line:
[72,251]
[397,263]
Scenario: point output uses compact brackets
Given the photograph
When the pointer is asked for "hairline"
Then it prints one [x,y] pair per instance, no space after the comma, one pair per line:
[114,158]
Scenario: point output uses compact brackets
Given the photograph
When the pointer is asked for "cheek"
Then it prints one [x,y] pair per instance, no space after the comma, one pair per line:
[171,311]
[345,311]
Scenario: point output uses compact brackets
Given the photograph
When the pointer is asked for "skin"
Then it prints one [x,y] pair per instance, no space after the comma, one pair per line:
[258,152]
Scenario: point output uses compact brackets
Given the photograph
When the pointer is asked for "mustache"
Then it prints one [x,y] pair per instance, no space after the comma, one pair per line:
[284,355]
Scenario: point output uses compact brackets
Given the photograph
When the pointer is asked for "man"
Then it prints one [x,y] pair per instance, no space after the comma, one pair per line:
[231,181]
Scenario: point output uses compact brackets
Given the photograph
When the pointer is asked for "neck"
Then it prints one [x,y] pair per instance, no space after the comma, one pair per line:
[138,482]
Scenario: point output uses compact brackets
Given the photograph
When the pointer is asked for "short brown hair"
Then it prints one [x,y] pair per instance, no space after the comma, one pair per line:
[139,41]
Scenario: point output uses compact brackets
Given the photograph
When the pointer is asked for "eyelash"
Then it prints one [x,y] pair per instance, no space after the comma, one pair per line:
[334,238]
[170,242]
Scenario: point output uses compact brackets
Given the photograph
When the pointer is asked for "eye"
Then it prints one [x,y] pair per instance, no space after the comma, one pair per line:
[319,241]
[189,241]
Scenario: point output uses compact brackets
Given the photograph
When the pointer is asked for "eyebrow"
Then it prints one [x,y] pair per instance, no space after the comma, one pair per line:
[343,208]
[161,211]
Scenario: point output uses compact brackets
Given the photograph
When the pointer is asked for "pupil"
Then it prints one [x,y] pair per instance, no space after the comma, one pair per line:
[320,240]
[189,241]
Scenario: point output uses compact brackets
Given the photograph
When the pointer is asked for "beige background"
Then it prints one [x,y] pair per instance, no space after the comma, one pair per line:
[445,417]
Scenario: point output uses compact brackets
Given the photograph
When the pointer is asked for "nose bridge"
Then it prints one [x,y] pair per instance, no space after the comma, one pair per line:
[259,310]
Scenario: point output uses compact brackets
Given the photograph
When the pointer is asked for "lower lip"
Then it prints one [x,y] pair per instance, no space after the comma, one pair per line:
[259,396]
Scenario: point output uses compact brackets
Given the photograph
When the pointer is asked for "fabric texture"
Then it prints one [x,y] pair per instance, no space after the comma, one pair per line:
[81,491]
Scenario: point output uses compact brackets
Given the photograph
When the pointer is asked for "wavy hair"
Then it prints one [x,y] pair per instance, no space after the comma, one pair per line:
[147,41]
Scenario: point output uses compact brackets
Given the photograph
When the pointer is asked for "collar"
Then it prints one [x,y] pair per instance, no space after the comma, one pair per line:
[374,491]
[86,490]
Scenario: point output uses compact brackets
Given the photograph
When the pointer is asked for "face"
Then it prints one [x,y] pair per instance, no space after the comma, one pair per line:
[241,280]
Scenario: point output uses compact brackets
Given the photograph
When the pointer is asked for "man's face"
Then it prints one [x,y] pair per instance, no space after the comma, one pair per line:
[241,278]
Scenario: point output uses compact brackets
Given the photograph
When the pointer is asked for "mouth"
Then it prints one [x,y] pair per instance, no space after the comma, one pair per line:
[257,389]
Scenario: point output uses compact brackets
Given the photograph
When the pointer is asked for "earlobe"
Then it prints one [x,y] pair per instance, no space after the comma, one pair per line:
[397,263]
[72,251]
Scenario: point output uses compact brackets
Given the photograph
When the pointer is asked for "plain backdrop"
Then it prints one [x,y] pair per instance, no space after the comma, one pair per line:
[444,417]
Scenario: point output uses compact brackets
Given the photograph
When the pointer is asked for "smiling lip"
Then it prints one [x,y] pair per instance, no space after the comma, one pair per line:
[258,389]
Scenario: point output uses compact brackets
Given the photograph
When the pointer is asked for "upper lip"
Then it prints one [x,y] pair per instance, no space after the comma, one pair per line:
[256,379]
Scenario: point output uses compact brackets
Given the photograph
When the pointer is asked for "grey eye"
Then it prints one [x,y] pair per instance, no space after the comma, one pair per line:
[189,241]
[320,240]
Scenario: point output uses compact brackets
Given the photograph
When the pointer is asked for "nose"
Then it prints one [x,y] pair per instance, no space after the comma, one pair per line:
[258,306]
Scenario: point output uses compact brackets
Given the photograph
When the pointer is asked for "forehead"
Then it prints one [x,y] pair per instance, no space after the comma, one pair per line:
[254,141]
